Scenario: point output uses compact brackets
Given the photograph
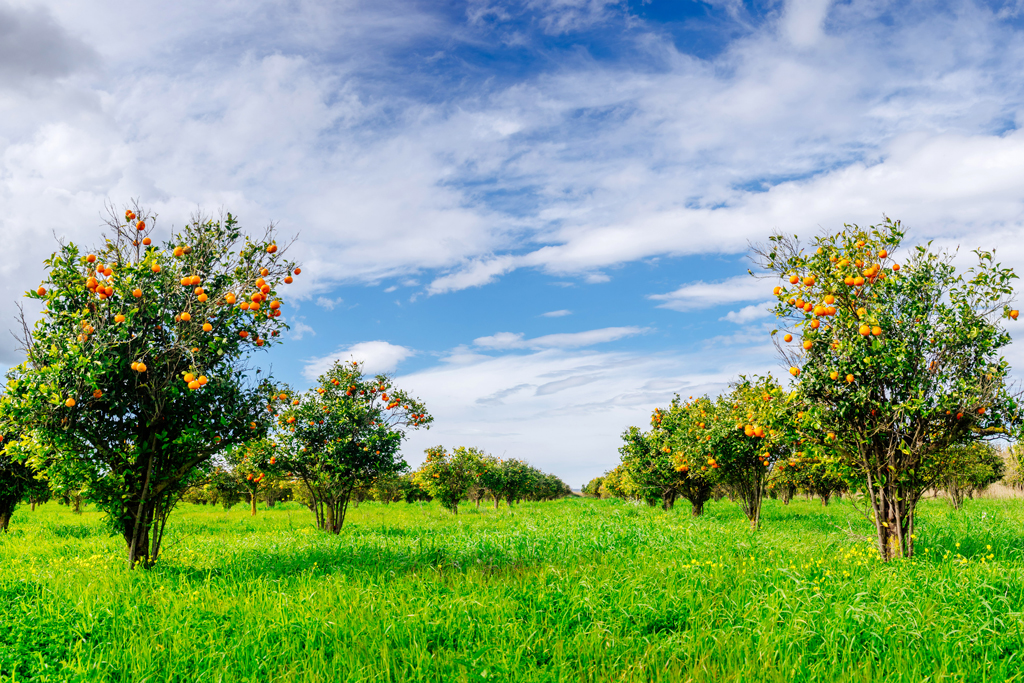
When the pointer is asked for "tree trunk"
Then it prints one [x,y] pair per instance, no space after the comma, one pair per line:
[5,521]
[824,499]
[698,508]
[497,502]
[478,504]
[136,535]
[252,503]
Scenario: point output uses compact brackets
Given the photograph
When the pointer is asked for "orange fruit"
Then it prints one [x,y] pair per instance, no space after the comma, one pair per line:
[207,327]
[202,298]
[119,318]
[243,334]
[91,258]
[834,375]
[186,316]
[777,291]
[155,268]
[288,280]
[829,299]
[876,330]
[147,241]
[895,266]
[202,380]
[865,330]
[230,298]
[244,305]
[793,279]
[178,251]
[815,324]
[808,344]
[795,371]
[297,271]
[41,291]
[264,272]
[140,226]
[850,378]
[1014,313]
[272,248]
[70,403]
[140,367]
[883,254]
[274,305]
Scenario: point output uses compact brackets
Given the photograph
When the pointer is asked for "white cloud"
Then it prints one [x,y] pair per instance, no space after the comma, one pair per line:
[474,274]
[300,330]
[376,356]
[698,295]
[568,340]
[557,314]
[328,304]
[802,21]
[749,313]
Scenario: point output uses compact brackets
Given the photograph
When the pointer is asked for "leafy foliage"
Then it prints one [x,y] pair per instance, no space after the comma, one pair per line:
[135,375]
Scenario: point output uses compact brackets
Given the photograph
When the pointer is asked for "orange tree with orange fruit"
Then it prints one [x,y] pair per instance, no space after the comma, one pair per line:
[820,474]
[244,463]
[664,462]
[898,361]
[449,476]
[341,435]
[135,375]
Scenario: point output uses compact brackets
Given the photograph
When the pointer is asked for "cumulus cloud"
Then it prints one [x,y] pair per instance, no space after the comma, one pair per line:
[749,313]
[376,357]
[568,340]
[697,295]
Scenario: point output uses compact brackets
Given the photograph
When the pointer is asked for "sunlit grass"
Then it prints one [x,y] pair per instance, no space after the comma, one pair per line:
[565,591]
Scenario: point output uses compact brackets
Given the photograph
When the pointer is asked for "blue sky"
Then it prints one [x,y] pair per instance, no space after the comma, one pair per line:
[535,213]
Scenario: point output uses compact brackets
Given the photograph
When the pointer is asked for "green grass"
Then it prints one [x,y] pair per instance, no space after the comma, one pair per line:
[575,590]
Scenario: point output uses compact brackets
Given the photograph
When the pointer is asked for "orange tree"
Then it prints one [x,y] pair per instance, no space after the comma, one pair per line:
[681,436]
[898,361]
[753,428]
[18,481]
[340,436]
[821,475]
[249,478]
[449,476]
[135,375]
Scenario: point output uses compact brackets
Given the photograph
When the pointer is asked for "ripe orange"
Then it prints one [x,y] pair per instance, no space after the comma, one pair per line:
[186,316]
[288,280]
[193,385]
[202,380]
[140,367]
[272,248]
[156,268]
[777,291]
[795,371]
[1014,313]
[41,291]
[876,330]
[815,324]
[119,318]
[829,299]
[834,375]
[207,327]
[230,298]
[858,282]
[189,377]
[244,305]
[808,344]
[91,258]
[865,330]
[883,254]
[274,305]
[793,279]
[848,281]
[850,378]
[297,271]
[70,403]
[147,241]
[895,266]
[202,298]
[243,334]
[140,226]
[264,272]
[178,251]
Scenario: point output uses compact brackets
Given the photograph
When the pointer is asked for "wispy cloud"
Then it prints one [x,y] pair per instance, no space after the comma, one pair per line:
[568,340]
[557,314]
[697,295]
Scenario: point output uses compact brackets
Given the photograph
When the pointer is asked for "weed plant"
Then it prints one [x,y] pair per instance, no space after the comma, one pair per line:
[573,590]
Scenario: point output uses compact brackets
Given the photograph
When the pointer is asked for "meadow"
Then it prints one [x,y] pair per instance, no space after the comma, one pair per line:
[571,590]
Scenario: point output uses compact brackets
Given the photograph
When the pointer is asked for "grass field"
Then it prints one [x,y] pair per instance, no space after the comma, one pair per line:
[574,590]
